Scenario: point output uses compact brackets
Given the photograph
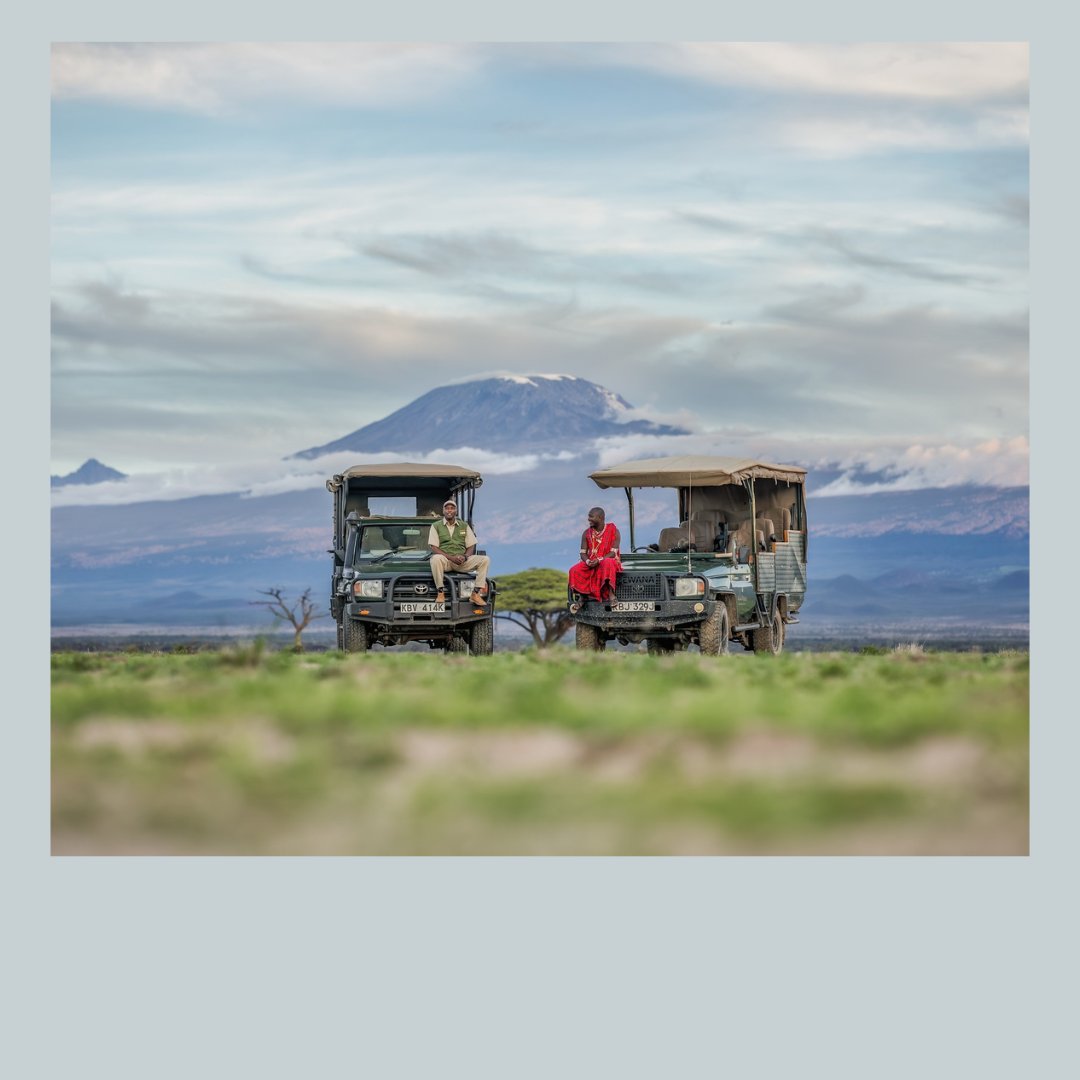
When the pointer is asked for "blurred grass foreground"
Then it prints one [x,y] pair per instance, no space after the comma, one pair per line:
[244,751]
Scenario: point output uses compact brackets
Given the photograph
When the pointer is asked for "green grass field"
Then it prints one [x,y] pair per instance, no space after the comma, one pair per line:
[250,752]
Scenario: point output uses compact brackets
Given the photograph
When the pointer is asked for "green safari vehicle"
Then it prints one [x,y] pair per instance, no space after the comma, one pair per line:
[382,590]
[730,567]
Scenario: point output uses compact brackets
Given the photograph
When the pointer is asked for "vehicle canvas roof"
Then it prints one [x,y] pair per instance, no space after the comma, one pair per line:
[406,474]
[696,471]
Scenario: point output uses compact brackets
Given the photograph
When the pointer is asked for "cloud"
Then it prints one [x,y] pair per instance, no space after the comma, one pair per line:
[897,464]
[868,130]
[212,78]
[259,478]
[819,304]
[874,261]
[216,77]
[453,254]
[716,222]
[919,72]
[904,466]
[955,246]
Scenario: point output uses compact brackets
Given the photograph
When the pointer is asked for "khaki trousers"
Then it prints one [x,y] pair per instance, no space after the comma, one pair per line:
[479,563]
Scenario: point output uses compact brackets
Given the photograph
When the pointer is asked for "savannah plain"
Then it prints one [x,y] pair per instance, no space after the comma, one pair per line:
[242,750]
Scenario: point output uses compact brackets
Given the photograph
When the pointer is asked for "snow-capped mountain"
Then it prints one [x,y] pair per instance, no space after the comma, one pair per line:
[512,413]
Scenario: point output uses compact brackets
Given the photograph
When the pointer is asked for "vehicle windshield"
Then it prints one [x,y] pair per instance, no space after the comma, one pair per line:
[410,541]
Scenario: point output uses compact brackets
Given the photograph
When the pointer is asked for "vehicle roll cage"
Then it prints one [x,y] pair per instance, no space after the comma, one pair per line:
[430,485]
[686,494]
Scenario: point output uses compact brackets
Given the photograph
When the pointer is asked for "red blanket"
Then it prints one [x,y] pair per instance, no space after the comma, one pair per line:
[597,581]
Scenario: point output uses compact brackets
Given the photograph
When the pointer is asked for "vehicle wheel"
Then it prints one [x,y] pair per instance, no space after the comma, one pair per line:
[354,635]
[769,639]
[482,638]
[714,632]
[659,646]
[587,638]
[340,637]
[457,645]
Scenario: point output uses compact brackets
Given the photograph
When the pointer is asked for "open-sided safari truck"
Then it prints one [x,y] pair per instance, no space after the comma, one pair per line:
[382,590]
[731,567]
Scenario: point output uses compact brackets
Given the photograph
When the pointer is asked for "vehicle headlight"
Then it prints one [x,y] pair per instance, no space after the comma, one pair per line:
[689,586]
[465,588]
[368,588]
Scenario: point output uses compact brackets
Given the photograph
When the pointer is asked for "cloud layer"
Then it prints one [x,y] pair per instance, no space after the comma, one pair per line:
[216,76]
[223,77]
[258,478]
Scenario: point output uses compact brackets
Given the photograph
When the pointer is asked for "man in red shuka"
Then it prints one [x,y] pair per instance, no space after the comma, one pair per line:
[595,575]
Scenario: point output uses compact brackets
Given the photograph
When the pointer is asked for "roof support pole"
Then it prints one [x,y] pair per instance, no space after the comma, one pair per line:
[749,485]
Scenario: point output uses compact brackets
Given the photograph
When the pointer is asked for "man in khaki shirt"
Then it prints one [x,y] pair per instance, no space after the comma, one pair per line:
[454,544]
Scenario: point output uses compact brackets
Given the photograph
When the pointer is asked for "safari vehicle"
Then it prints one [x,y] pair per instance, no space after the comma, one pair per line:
[733,569]
[382,590]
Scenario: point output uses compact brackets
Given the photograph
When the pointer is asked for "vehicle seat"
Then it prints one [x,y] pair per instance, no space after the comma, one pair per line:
[785,523]
[701,535]
[743,540]
[768,530]
[429,505]
[375,540]
[710,522]
[670,539]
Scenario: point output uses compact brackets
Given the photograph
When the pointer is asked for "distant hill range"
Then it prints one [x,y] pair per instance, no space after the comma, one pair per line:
[509,413]
[964,510]
[90,471]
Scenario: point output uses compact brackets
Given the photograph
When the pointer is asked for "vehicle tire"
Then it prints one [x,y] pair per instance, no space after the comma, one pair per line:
[457,645]
[340,637]
[587,638]
[714,632]
[354,635]
[659,646]
[769,639]
[482,638]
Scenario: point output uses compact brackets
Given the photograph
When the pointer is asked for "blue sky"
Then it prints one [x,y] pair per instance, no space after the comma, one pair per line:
[820,251]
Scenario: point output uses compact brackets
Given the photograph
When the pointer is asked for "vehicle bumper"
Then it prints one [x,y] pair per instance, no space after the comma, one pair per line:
[389,614]
[665,615]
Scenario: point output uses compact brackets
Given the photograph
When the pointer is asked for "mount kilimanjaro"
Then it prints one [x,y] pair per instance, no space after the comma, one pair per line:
[509,413]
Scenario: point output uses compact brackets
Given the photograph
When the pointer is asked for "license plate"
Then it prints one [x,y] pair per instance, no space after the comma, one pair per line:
[419,608]
[631,605]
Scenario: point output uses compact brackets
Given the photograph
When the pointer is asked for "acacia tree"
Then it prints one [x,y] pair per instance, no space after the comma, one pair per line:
[536,601]
[297,614]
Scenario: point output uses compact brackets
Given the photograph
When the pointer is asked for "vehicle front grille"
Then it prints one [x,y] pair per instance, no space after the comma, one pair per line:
[639,587]
[405,589]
